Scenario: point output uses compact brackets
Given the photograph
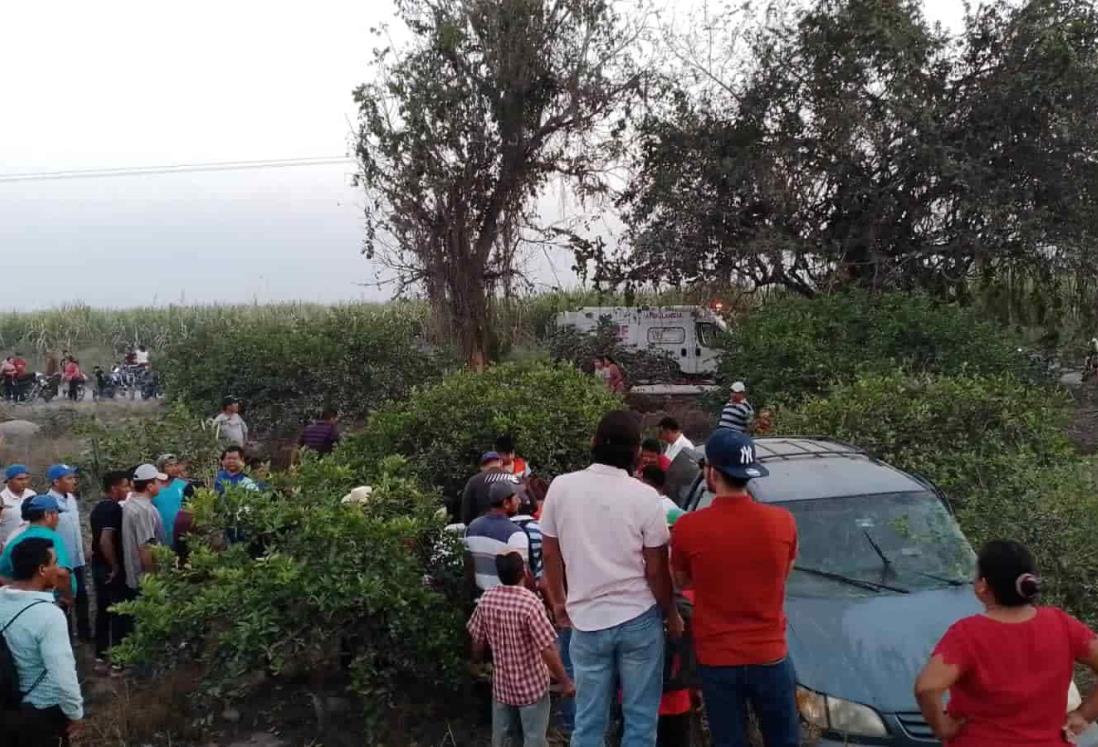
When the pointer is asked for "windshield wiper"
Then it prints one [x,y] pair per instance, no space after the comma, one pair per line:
[890,567]
[859,582]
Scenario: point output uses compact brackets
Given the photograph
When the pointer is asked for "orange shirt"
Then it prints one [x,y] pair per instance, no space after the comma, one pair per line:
[738,554]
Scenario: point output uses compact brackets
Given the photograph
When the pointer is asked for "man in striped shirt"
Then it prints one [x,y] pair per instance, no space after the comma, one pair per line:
[492,534]
[738,414]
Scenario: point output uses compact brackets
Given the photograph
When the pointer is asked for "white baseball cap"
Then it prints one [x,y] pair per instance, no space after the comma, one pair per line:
[148,472]
[739,387]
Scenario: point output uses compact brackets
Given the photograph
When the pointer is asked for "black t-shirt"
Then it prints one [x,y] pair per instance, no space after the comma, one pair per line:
[476,498]
[107,514]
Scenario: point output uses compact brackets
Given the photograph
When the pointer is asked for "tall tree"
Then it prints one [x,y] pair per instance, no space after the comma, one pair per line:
[863,146]
[460,132]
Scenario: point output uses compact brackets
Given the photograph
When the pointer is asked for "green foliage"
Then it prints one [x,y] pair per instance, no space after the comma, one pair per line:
[966,433]
[551,410]
[287,369]
[791,348]
[1052,509]
[850,142]
[316,580]
[123,444]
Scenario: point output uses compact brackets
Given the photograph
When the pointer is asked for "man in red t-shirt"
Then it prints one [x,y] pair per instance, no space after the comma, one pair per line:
[736,555]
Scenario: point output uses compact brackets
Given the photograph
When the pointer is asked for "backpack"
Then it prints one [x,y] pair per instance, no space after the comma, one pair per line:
[11,697]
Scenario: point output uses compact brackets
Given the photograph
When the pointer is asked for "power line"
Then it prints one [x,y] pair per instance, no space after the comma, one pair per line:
[179,168]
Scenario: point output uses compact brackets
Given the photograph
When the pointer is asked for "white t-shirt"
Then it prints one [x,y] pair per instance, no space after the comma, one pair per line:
[604,519]
[682,442]
[142,357]
[11,516]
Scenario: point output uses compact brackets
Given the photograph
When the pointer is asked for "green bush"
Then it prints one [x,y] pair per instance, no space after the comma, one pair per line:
[963,432]
[792,348]
[138,439]
[286,369]
[1054,511]
[317,582]
[551,410]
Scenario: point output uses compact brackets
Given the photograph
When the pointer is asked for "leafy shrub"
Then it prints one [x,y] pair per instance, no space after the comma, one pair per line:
[792,348]
[580,348]
[963,432]
[287,369]
[318,583]
[1054,511]
[138,439]
[551,410]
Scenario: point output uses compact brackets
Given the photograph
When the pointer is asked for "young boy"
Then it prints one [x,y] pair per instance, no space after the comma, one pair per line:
[511,621]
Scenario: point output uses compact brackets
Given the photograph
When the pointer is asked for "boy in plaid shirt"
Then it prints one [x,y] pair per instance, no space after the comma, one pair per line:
[511,620]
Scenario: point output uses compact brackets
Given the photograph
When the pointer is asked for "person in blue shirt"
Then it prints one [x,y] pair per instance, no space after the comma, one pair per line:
[173,494]
[232,474]
[37,635]
[42,514]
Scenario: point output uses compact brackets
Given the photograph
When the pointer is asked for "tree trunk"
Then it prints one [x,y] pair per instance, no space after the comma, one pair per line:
[471,314]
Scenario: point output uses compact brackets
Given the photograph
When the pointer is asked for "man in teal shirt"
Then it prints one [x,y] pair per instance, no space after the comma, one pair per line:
[172,494]
[43,513]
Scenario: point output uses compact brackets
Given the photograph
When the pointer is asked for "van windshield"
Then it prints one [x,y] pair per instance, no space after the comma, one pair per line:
[707,334]
[901,540]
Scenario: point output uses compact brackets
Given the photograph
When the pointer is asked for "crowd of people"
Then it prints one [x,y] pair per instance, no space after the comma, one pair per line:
[595,586]
[598,586]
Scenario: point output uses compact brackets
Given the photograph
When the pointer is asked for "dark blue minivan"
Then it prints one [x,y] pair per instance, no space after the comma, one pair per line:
[883,570]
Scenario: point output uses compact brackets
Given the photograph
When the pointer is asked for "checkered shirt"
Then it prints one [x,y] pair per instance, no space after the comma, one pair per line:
[512,622]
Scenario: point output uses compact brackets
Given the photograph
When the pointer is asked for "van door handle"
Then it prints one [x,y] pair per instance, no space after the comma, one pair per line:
[684,352]
[698,352]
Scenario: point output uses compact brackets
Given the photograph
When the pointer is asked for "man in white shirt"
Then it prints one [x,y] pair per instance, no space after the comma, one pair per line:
[62,479]
[672,435]
[16,490]
[605,539]
[230,425]
[37,636]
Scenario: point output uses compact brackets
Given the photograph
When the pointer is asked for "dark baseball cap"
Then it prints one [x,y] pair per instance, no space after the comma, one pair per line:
[500,491]
[733,454]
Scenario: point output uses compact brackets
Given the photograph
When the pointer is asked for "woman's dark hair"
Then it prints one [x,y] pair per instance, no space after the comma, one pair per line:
[28,556]
[328,413]
[1010,571]
[652,444]
[505,444]
[617,440]
[510,568]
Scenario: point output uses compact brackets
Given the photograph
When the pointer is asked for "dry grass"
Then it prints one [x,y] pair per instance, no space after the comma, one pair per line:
[125,712]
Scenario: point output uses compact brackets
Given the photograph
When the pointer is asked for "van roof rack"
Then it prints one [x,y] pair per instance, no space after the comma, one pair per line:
[788,447]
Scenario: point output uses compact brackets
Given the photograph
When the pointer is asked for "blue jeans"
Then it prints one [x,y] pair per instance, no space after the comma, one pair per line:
[520,725]
[771,690]
[566,708]
[632,654]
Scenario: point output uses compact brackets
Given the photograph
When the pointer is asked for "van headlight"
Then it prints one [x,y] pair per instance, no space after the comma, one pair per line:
[837,715]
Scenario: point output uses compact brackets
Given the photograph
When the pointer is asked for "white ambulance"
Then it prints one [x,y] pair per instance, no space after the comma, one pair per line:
[689,334]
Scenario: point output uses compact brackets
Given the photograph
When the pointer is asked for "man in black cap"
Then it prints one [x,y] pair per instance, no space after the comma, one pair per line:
[736,555]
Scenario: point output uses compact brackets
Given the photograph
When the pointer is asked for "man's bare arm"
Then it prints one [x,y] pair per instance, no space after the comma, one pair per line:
[553,579]
[658,573]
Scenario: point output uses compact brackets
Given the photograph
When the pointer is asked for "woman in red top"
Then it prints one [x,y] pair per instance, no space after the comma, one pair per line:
[1008,670]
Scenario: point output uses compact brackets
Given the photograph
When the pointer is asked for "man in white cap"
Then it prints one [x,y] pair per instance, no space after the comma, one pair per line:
[142,528]
[738,414]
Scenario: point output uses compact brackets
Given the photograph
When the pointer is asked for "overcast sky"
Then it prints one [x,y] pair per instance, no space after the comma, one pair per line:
[132,83]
